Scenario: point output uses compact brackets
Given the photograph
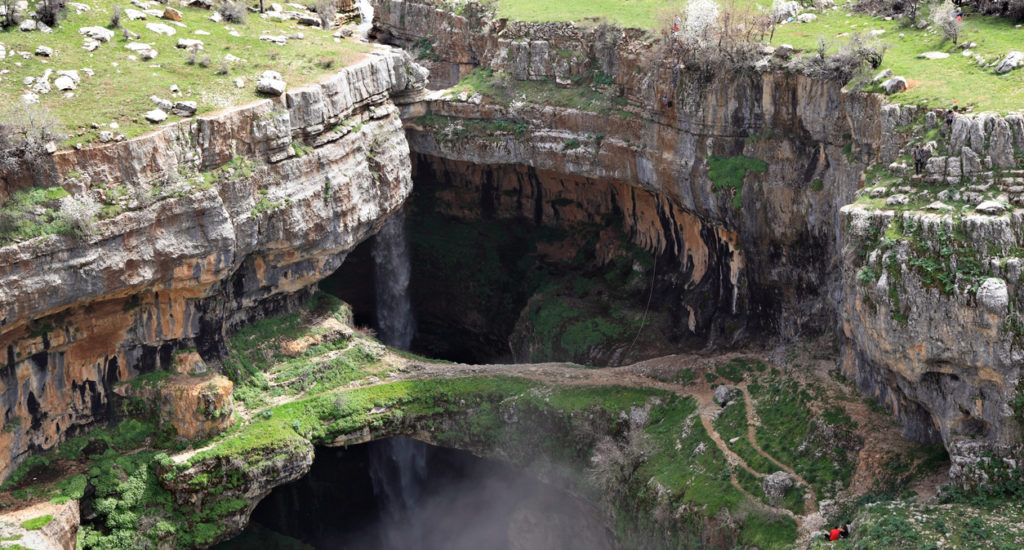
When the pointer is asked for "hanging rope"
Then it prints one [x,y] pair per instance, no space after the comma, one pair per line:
[643,320]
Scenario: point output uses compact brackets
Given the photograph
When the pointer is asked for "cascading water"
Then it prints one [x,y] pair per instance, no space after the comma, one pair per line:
[398,470]
[365,12]
[395,322]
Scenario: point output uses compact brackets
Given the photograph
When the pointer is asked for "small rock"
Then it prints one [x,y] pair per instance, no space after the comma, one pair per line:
[156,115]
[44,51]
[278,39]
[991,208]
[898,199]
[175,89]
[41,86]
[189,44]
[933,55]
[29,98]
[184,108]
[106,137]
[877,192]
[134,15]
[201,32]
[99,34]
[231,58]
[939,206]
[27,25]
[806,17]
[776,485]
[161,104]
[239,82]
[785,51]
[894,85]
[160,28]
[884,75]
[216,17]
[171,14]
[270,83]
[51,147]
[204,4]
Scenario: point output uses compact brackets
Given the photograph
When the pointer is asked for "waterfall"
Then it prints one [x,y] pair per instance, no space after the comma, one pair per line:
[395,322]
[398,469]
[365,12]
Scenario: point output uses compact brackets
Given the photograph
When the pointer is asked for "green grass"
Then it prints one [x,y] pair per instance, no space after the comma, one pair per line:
[727,174]
[120,94]
[35,524]
[956,80]
[32,213]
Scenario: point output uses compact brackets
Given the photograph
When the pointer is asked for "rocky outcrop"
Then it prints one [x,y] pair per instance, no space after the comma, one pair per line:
[59,533]
[188,406]
[227,215]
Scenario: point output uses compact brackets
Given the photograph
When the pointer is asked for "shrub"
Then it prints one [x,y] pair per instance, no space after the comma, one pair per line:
[115,18]
[9,18]
[327,13]
[205,61]
[224,68]
[50,12]
[943,17]
[25,131]
[233,12]
[851,59]
[79,213]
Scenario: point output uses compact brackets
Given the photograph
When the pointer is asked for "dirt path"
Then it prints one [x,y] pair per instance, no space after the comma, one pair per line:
[810,501]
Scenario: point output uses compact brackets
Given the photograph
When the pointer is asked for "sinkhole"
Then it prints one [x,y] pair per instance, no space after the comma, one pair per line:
[400,493]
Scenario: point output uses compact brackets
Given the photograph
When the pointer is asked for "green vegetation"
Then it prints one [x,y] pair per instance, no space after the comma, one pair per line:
[727,174]
[35,524]
[119,92]
[33,213]
[453,129]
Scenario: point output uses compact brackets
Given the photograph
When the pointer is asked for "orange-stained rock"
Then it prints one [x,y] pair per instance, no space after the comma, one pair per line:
[193,407]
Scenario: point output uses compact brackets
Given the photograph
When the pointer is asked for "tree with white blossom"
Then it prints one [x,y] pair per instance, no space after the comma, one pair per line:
[702,20]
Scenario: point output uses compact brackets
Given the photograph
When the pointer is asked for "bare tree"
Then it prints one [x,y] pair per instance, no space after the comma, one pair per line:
[8,19]
[25,133]
[944,16]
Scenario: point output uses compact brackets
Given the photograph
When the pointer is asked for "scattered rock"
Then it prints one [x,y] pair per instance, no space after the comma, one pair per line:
[782,11]
[160,28]
[939,206]
[201,32]
[993,295]
[933,55]
[898,199]
[877,192]
[991,208]
[64,83]
[216,17]
[28,98]
[175,89]
[99,34]
[231,58]
[1010,62]
[171,14]
[884,75]
[189,44]
[161,103]
[204,4]
[278,39]
[270,83]
[239,82]
[41,86]
[156,115]
[184,108]
[723,394]
[134,15]
[894,85]
[106,137]
[44,51]
[145,51]
[309,20]
[79,7]
[27,25]
[776,485]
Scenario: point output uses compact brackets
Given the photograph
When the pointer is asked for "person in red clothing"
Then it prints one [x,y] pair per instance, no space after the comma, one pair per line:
[837,533]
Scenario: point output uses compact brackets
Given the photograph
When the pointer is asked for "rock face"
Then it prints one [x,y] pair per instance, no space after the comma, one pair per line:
[79,315]
[193,407]
[59,534]
[776,485]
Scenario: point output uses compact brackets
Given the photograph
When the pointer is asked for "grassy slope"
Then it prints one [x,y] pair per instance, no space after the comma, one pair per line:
[119,93]
[956,80]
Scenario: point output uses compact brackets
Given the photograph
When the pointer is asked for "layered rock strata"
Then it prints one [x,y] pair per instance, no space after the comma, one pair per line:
[229,215]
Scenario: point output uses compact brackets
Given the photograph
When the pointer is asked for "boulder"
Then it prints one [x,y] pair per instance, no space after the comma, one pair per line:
[134,15]
[64,83]
[184,108]
[99,34]
[723,394]
[160,28]
[171,14]
[1010,62]
[776,485]
[939,206]
[73,75]
[970,162]
[189,44]
[216,17]
[106,137]
[204,4]
[27,25]
[309,20]
[933,55]
[992,208]
[44,51]
[894,85]
[806,17]
[41,86]
[784,10]
[278,39]
[156,115]
[270,83]
[993,295]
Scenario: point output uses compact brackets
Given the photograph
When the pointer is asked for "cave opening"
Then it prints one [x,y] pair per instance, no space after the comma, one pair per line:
[510,264]
[401,493]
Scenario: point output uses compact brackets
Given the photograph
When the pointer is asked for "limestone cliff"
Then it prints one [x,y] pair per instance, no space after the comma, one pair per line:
[223,217]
